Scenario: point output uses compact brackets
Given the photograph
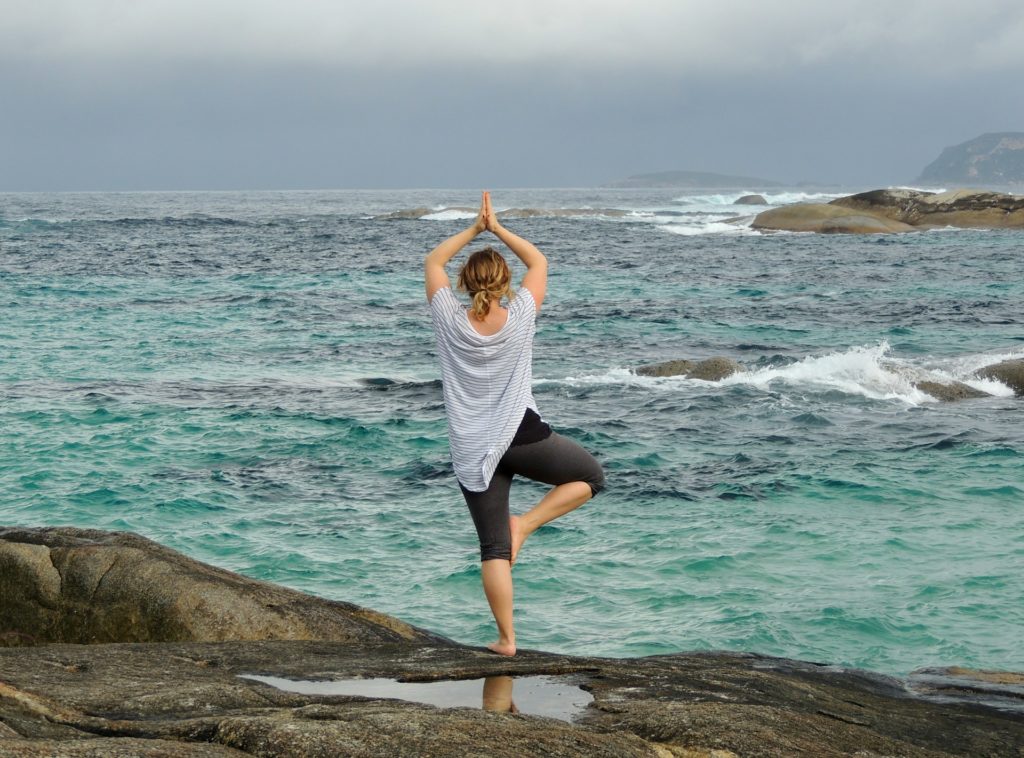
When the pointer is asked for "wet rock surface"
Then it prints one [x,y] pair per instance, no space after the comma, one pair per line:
[189,698]
[751,200]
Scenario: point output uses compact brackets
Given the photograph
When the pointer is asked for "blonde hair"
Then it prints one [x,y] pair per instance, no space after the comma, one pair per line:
[485,276]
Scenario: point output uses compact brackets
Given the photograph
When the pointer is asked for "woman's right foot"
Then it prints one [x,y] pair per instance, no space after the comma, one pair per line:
[502,648]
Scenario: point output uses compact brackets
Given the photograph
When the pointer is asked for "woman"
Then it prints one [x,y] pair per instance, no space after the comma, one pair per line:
[495,430]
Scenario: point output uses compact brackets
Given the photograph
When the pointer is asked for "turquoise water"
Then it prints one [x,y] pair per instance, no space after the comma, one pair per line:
[249,378]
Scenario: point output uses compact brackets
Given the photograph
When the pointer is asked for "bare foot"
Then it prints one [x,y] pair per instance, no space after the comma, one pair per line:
[518,538]
[502,648]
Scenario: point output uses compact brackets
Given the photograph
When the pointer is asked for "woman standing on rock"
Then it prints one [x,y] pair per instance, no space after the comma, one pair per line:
[494,427]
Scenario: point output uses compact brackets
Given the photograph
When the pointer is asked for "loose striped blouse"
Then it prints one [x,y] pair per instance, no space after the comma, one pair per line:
[487,382]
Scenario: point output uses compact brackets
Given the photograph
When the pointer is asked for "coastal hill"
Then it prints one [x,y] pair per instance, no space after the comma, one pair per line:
[690,180]
[991,159]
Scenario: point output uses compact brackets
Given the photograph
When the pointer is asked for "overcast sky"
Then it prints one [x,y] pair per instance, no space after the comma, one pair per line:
[261,94]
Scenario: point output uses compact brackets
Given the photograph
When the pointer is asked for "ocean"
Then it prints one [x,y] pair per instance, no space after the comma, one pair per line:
[249,378]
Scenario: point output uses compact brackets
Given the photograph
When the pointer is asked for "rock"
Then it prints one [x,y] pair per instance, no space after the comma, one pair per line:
[991,159]
[960,208]
[88,586]
[189,698]
[711,369]
[63,699]
[751,200]
[949,391]
[825,219]
[1010,373]
[668,368]
[714,369]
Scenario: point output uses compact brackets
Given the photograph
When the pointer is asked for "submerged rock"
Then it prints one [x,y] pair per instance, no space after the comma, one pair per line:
[1010,373]
[711,369]
[87,586]
[190,698]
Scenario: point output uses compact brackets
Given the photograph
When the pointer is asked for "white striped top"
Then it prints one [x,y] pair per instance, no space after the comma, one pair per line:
[487,382]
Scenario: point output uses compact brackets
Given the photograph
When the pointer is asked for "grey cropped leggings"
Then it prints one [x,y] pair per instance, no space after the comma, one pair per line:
[554,460]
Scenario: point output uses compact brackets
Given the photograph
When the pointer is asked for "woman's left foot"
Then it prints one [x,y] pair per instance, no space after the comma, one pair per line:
[503,648]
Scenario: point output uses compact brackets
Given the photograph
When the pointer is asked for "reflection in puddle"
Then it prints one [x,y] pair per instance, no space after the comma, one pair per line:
[537,695]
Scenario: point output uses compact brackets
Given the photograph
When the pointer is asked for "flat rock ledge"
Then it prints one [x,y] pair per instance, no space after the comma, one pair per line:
[889,211]
[186,698]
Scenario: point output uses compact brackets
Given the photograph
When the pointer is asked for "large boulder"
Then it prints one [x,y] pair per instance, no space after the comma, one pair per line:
[1010,373]
[710,369]
[826,219]
[961,208]
[88,586]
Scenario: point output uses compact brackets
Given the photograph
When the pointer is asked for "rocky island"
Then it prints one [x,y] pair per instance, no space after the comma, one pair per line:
[117,646]
[898,210]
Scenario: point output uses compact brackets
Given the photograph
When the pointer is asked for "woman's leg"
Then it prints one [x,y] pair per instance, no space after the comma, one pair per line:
[557,460]
[489,510]
[497,578]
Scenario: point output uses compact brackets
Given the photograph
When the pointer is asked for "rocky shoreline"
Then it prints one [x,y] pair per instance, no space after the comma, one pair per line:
[168,683]
[888,211]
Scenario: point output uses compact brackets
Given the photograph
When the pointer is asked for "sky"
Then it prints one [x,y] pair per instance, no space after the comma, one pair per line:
[322,94]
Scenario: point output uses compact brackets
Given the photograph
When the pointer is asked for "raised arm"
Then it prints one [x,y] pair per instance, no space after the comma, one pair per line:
[434,273]
[536,277]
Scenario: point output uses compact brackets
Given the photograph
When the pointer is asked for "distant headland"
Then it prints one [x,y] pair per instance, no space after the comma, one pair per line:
[691,179]
[991,159]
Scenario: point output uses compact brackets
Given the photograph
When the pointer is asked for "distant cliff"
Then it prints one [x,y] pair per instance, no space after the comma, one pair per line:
[996,158]
[692,179]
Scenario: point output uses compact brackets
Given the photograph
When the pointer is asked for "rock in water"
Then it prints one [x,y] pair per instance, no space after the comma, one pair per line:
[949,391]
[714,369]
[826,219]
[711,369]
[668,368]
[1010,373]
[751,200]
[88,586]
[991,159]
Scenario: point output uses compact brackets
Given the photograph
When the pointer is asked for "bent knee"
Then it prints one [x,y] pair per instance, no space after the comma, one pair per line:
[596,481]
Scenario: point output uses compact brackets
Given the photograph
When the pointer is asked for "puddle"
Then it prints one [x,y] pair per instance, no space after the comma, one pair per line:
[535,695]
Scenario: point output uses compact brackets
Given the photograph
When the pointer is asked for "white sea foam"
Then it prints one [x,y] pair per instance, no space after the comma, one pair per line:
[710,227]
[449,214]
[856,371]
